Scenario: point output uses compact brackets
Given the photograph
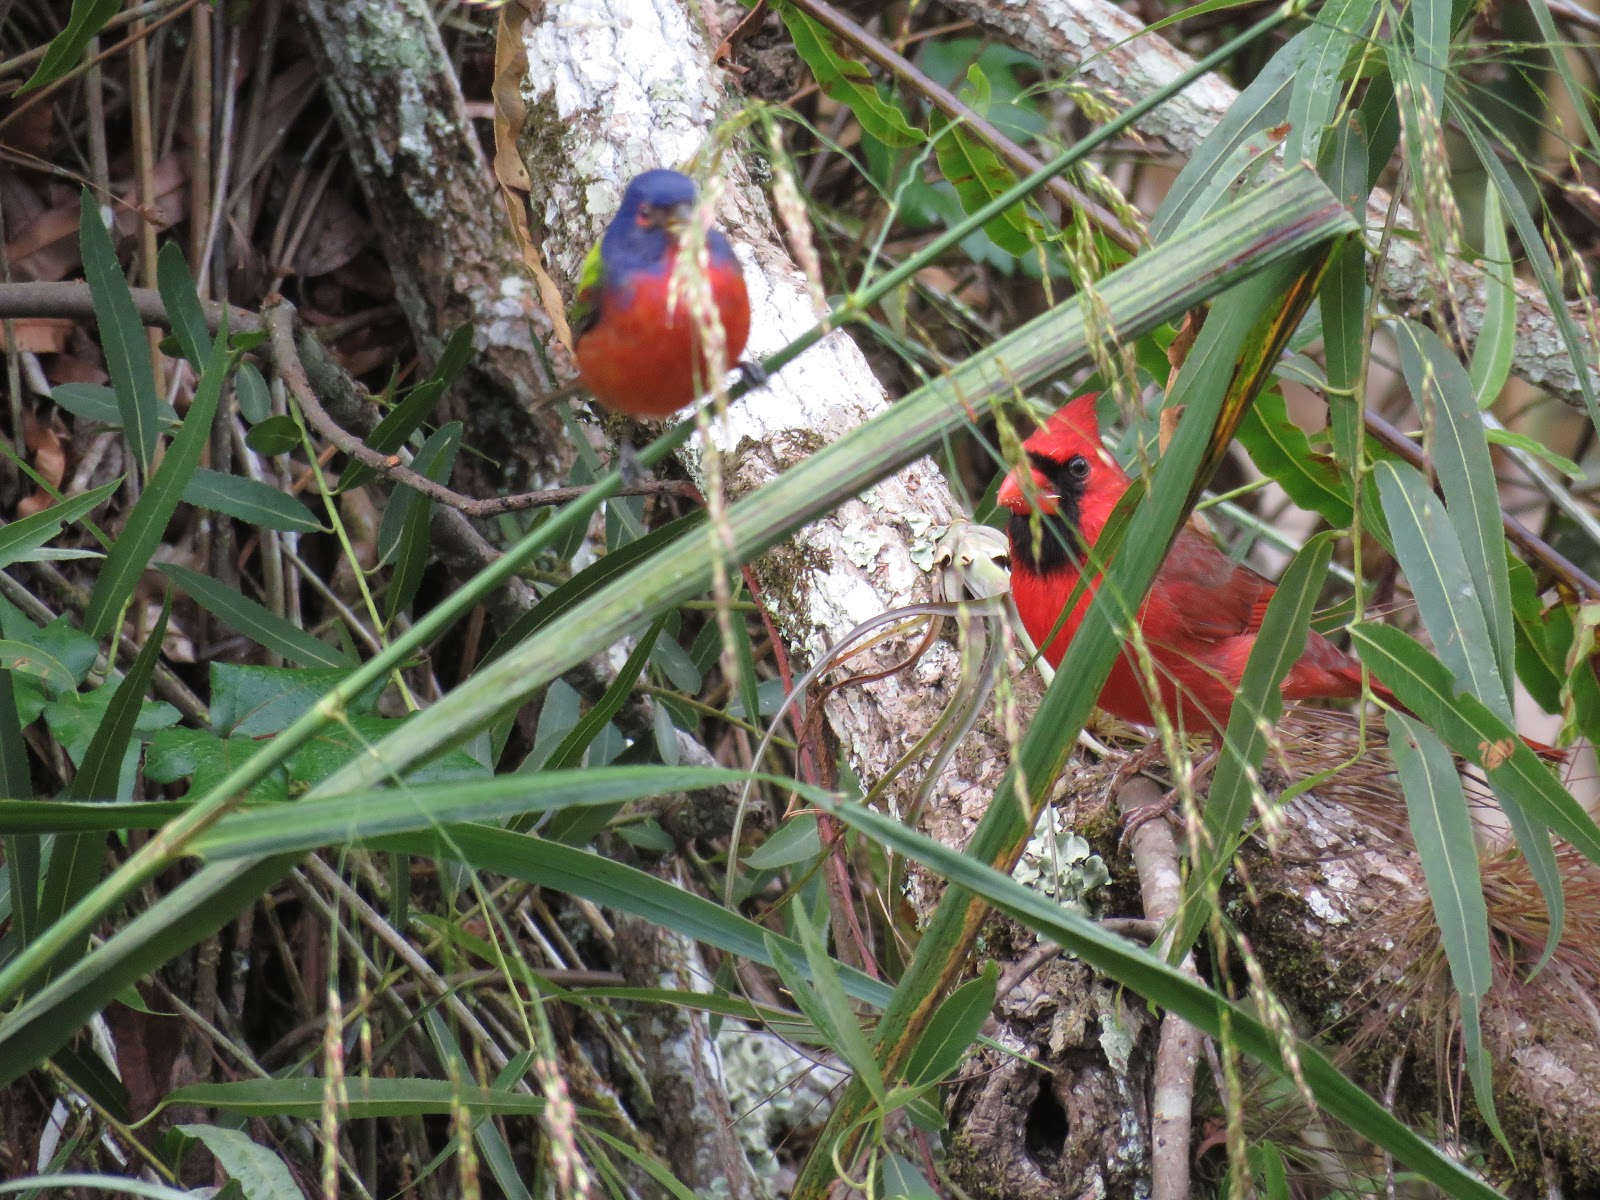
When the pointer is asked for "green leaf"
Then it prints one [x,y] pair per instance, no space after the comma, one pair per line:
[400,422]
[1441,825]
[257,701]
[409,515]
[1317,89]
[1151,977]
[258,1170]
[255,398]
[134,550]
[183,305]
[901,1179]
[1282,451]
[848,82]
[88,18]
[92,402]
[1257,706]
[589,580]
[255,621]
[1342,299]
[953,1030]
[1528,445]
[21,851]
[1263,104]
[1425,542]
[1497,335]
[1460,454]
[823,1000]
[1544,268]
[579,828]
[20,539]
[75,859]
[978,175]
[275,435]
[362,1097]
[795,841]
[339,820]
[1533,800]
[248,500]
[122,335]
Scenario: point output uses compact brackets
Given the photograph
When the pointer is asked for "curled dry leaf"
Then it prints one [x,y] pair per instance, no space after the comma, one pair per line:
[510,113]
[335,234]
[48,455]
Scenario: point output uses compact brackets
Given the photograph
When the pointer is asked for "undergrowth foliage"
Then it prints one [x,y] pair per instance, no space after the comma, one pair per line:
[364,837]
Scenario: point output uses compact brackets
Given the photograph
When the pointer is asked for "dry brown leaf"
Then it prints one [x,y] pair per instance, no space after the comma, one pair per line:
[335,234]
[169,205]
[46,250]
[510,64]
[38,335]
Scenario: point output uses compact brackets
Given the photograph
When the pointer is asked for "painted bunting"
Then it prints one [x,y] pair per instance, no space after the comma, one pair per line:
[638,345]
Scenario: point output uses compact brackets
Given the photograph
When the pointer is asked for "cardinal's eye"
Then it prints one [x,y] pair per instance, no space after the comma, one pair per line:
[1078,467]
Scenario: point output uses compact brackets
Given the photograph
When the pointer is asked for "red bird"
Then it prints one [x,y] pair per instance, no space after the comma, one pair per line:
[638,346]
[1203,612]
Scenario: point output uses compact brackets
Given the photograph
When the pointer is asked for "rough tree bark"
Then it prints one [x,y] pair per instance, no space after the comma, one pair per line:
[434,203]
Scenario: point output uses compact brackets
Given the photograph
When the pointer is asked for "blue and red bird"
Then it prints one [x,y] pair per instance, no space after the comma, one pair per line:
[638,346]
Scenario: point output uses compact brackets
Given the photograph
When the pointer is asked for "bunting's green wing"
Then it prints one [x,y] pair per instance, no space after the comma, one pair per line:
[585,308]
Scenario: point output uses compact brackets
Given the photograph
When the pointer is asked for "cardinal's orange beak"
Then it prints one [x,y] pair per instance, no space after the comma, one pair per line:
[1027,493]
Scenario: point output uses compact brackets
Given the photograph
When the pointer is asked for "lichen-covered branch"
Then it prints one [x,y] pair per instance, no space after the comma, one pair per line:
[434,202]
[614,88]
[1101,42]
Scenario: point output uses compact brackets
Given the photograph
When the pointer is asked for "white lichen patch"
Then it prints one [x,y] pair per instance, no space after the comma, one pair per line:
[774,1091]
[1058,863]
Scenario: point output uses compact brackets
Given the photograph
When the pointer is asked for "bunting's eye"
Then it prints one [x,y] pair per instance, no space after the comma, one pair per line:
[1078,467]
[647,214]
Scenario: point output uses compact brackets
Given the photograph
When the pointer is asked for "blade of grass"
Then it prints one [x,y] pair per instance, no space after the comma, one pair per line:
[1442,827]
[134,550]
[122,335]
[255,621]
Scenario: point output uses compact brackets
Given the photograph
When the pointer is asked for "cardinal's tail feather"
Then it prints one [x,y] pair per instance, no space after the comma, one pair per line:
[1551,754]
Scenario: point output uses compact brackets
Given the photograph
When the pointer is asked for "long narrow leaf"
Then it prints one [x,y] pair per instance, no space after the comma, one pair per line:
[122,335]
[75,859]
[134,550]
[20,538]
[1460,453]
[1256,709]
[256,621]
[1442,827]
[1425,542]
[248,500]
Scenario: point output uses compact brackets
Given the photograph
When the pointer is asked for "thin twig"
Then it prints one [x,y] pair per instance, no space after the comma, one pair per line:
[1155,855]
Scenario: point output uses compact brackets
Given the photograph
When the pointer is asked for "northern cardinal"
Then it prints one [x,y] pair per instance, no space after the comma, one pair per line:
[1203,612]
[638,347]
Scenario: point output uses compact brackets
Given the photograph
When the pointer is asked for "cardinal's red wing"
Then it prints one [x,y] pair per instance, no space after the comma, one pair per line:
[1204,595]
